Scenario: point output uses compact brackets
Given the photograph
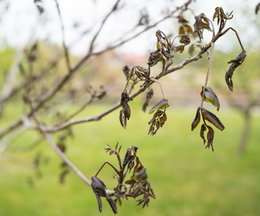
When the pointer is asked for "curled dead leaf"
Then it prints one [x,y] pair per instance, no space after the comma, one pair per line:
[210,97]
[234,64]
[212,118]
[196,120]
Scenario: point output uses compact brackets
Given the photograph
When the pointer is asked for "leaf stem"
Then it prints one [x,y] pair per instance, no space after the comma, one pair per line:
[208,72]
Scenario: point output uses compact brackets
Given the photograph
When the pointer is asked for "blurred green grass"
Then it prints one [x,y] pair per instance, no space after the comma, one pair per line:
[187,179]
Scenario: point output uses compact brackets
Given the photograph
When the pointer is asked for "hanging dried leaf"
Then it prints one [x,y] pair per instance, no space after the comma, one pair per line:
[167,53]
[201,23]
[212,118]
[185,39]
[148,97]
[234,64]
[99,189]
[210,97]
[203,128]
[125,113]
[137,186]
[221,17]
[62,147]
[162,40]
[210,137]
[181,30]
[124,97]
[196,120]
[179,48]
[162,104]
[142,73]
[154,58]
[185,27]
[128,158]
[158,120]
[112,204]
[139,174]
[63,175]
[126,71]
[257,8]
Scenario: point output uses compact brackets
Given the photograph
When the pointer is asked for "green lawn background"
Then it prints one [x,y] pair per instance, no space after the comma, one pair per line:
[187,179]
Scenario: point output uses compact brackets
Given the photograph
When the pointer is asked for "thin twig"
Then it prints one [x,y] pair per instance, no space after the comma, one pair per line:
[157,81]
[49,95]
[114,8]
[64,158]
[111,165]
[76,112]
[181,9]
[65,48]
[138,92]
[208,72]
[238,38]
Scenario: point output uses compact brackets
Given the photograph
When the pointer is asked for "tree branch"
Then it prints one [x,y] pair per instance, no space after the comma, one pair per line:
[63,157]
[49,95]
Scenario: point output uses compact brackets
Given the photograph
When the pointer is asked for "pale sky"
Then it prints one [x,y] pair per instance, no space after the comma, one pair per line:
[21,24]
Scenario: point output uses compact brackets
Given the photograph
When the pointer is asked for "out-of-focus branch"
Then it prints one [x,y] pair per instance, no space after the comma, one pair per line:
[114,8]
[50,94]
[10,81]
[11,76]
[147,28]
[138,92]
[63,156]
[76,112]
[238,38]
[65,48]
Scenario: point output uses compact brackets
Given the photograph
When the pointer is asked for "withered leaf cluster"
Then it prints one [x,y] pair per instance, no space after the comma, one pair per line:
[185,28]
[164,50]
[142,73]
[125,112]
[234,64]
[209,96]
[207,117]
[222,17]
[158,120]
[132,180]
[159,117]
[201,23]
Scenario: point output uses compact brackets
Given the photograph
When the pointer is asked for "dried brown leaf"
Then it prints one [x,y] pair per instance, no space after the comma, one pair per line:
[203,128]
[210,97]
[148,97]
[257,8]
[196,120]
[234,64]
[212,118]
[162,104]
[210,137]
